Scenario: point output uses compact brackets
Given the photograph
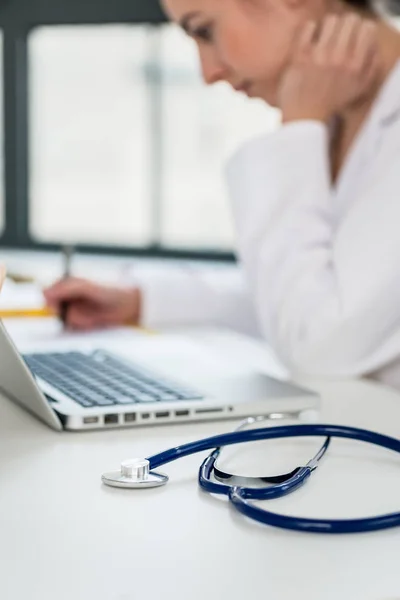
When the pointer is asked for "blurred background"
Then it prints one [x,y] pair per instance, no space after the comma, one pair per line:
[110,141]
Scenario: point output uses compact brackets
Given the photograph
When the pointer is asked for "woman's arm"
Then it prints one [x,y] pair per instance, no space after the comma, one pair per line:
[327,294]
[197,296]
[167,296]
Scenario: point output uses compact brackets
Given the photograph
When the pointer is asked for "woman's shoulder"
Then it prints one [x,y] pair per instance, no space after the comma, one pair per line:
[385,114]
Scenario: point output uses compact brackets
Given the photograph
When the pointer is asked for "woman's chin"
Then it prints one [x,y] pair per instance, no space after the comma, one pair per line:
[267,95]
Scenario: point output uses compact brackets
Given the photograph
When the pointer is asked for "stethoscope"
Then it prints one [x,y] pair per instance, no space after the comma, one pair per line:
[139,473]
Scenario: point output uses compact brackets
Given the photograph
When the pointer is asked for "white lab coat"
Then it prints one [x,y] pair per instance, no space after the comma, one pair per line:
[320,263]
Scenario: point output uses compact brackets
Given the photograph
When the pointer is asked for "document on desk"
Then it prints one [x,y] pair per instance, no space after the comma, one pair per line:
[24,297]
[37,334]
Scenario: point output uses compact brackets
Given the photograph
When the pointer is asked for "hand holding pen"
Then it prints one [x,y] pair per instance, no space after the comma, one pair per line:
[86,305]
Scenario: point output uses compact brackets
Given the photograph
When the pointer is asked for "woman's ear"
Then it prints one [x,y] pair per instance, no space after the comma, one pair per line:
[2,275]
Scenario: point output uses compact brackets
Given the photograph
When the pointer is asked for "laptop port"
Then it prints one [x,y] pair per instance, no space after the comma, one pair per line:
[181,413]
[204,411]
[110,419]
[145,415]
[162,415]
[130,417]
[90,420]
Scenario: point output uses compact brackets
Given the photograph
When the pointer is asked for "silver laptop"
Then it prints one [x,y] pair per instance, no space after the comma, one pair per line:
[163,379]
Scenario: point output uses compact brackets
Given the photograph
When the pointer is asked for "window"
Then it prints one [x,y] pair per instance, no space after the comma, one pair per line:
[127,145]
[2,190]
[89,141]
[112,141]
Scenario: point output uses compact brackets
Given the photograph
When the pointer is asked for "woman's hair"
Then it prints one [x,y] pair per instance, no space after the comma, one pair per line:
[389,6]
[361,4]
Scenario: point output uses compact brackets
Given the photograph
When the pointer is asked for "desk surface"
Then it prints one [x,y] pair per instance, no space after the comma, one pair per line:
[65,537]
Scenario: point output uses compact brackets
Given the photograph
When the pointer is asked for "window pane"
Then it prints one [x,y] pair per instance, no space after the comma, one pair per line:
[201,128]
[89,142]
[2,186]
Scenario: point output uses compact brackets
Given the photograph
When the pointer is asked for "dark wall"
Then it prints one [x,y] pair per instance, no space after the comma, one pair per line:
[32,12]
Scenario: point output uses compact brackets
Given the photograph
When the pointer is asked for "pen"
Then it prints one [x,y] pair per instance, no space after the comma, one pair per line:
[68,252]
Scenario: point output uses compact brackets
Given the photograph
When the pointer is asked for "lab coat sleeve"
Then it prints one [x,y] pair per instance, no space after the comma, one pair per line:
[199,296]
[327,295]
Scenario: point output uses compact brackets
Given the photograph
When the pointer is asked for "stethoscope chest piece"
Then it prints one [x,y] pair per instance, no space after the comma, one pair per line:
[135,474]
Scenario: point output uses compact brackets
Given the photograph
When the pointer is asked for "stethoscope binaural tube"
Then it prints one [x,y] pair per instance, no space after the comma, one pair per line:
[241,497]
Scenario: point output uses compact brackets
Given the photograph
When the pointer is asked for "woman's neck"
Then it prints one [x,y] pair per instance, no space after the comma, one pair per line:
[389,50]
[349,122]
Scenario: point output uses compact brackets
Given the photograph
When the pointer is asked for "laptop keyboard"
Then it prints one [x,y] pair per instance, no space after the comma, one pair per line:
[100,379]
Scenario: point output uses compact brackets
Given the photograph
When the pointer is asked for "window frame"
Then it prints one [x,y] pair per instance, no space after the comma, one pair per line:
[17,19]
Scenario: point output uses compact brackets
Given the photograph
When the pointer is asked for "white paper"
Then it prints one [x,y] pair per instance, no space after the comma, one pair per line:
[21,296]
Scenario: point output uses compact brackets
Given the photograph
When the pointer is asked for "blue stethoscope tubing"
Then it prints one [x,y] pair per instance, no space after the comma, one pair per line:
[240,497]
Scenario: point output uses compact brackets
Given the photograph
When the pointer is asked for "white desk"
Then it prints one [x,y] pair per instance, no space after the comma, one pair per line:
[65,537]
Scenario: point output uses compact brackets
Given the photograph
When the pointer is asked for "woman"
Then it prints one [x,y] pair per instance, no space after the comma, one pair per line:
[316,204]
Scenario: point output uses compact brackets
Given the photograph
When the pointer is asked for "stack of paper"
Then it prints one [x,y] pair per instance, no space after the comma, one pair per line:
[21,299]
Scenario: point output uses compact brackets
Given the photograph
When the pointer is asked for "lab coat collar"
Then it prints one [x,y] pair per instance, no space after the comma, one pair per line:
[387,105]
[385,111]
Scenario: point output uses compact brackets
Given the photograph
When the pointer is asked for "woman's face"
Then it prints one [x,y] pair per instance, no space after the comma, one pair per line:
[247,43]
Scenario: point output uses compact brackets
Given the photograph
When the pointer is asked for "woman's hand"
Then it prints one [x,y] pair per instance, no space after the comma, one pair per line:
[91,306]
[332,69]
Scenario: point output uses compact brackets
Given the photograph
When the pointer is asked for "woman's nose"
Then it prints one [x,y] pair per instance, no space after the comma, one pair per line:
[213,69]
